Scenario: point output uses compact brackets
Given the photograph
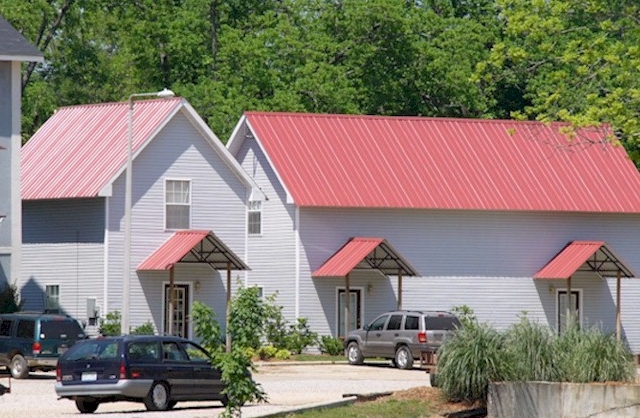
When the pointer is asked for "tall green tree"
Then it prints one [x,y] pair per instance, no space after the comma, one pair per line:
[576,61]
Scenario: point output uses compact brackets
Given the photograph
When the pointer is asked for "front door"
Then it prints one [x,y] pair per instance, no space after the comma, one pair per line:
[355,307]
[180,317]
[574,309]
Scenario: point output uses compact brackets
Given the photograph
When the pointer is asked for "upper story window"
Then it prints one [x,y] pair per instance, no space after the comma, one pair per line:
[52,302]
[254,218]
[177,204]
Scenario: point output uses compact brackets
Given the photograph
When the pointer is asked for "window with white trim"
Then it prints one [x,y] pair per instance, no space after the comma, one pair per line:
[254,218]
[52,298]
[177,204]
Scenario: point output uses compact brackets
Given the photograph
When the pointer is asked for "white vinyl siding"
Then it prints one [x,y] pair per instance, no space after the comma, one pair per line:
[218,204]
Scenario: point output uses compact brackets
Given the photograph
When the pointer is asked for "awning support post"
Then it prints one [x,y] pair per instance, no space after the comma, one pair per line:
[171,301]
[399,289]
[347,303]
[569,311]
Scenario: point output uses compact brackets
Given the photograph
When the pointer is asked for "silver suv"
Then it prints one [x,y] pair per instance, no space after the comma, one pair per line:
[401,336]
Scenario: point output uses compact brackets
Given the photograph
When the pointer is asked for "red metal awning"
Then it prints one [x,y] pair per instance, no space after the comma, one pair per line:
[193,247]
[367,253]
[577,256]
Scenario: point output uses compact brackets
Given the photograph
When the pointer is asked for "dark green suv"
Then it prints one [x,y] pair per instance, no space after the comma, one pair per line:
[34,341]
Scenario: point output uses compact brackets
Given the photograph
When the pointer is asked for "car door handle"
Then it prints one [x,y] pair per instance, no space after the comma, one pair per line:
[170,369]
[378,334]
[197,369]
[395,335]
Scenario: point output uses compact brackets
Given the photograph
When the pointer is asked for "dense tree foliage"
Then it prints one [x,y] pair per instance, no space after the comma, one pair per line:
[570,60]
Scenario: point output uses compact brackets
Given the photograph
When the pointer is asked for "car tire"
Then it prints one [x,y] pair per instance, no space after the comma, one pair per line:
[354,354]
[171,404]
[404,359]
[18,367]
[158,397]
[225,400]
[86,406]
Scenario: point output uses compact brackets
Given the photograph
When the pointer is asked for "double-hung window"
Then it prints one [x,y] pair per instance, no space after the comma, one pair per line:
[254,218]
[52,298]
[177,204]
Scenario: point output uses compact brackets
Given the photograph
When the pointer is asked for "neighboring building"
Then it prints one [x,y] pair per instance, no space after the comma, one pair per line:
[505,217]
[188,214]
[14,50]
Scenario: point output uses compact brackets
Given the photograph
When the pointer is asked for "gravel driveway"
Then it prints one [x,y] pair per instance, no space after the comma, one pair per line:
[288,387]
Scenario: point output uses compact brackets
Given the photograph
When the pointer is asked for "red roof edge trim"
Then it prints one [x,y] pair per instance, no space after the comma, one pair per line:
[172,250]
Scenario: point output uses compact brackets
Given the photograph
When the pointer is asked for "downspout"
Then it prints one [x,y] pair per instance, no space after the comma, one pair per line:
[618,319]
[105,267]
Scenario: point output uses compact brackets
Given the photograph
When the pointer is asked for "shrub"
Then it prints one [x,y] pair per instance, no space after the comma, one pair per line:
[283,354]
[110,325]
[145,329]
[300,336]
[266,352]
[331,345]
[10,299]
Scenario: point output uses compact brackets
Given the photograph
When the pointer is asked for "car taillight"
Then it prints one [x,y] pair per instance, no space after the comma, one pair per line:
[422,337]
[58,373]
[123,370]
[35,347]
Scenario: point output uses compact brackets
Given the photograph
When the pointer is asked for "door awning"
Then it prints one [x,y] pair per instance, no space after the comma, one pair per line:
[365,253]
[593,256]
[193,247]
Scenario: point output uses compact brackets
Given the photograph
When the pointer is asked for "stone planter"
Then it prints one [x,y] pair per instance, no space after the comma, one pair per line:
[563,400]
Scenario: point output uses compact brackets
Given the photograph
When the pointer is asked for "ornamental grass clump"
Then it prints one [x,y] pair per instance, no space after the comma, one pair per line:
[470,360]
[590,355]
[531,348]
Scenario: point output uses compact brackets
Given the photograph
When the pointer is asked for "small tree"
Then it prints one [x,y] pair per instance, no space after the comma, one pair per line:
[246,318]
[236,366]
[111,324]
[10,299]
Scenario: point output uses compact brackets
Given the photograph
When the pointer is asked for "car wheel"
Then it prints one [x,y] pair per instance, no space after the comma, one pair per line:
[18,367]
[404,359]
[225,400]
[171,404]
[87,406]
[354,355]
[158,397]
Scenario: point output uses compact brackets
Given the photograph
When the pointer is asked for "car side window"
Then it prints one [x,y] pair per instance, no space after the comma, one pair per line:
[171,351]
[26,329]
[143,351]
[5,328]
[378,324]
[195,353]
[394,322]
[412,323]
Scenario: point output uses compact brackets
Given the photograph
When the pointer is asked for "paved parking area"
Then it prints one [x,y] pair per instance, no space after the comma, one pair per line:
[288,387]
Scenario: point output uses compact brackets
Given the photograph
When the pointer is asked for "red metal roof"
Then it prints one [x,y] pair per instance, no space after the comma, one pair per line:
[593,255]
[193,247]
[441,163]
[80,149]
[370,253]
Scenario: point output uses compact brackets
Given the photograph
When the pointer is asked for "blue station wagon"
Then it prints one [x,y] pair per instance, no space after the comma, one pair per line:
[156,370]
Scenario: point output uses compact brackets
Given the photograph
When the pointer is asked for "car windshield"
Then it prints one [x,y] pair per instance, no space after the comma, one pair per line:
[60,329]
[94,349]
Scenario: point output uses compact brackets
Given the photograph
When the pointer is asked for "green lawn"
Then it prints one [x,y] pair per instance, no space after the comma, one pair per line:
[391,408]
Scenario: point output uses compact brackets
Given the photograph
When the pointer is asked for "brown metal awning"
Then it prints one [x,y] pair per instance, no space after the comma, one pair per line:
[365,253]
[587,256]
[193,247]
